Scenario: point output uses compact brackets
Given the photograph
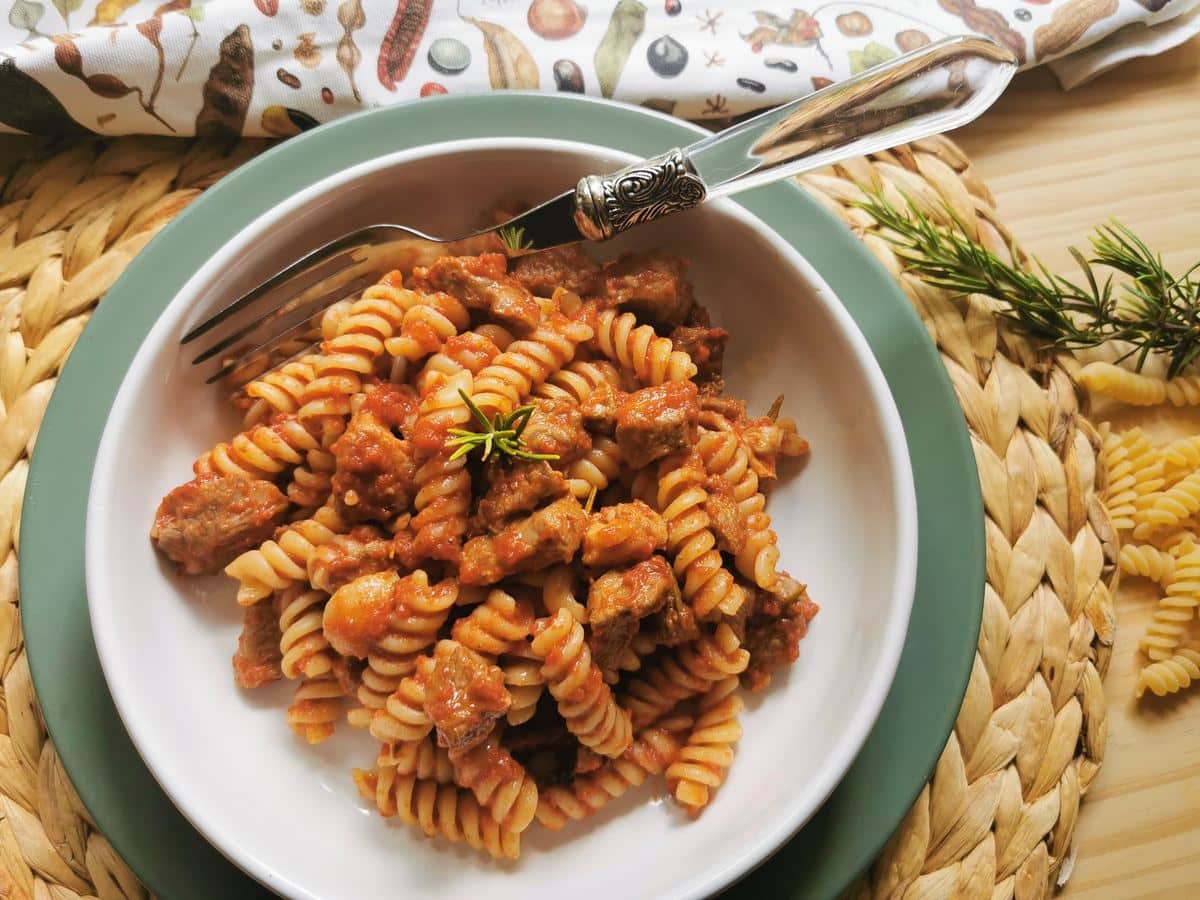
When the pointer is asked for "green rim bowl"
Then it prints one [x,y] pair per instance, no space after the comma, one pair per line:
[123,797]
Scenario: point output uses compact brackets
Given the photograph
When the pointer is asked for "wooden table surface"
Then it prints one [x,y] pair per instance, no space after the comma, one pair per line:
[1126,145]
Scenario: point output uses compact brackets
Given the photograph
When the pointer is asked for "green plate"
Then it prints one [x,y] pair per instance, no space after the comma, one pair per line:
[172,858]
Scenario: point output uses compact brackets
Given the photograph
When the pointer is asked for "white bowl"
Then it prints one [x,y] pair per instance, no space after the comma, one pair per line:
[288,813]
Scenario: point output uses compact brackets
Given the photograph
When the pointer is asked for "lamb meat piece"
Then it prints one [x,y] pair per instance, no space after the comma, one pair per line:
[464,696]
[375,473]
[774,631]
[599,410]
[725,519]
[550,535]
[556,427]
[205,523]
[482,282]
[617,602]
[258,658]
[566,267]
[706,347]
[393,406]
[622,534]
[651,285]
[517,486]
[673,625]
[363,551]
[731,409]
[657,421]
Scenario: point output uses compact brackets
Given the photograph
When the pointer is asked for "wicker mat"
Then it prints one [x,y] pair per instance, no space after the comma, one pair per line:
[997,817]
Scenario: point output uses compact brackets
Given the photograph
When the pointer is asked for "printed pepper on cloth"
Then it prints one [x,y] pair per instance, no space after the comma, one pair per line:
[276,67]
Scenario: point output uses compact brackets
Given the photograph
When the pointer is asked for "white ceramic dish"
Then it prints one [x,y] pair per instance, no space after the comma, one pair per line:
[289,814]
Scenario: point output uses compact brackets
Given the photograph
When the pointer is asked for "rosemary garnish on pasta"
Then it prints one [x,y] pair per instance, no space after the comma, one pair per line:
[1155,310]
[502,434]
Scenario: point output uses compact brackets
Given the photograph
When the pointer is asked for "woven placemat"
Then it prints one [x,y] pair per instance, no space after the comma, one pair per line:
[996,819]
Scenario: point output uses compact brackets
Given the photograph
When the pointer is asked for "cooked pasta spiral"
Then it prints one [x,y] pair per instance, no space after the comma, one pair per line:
[585,702]
[402,716]
[689,670]
[1148,562]
[523,680]
[311,483]
[422,758]
[636,347]
[1170,675]
[443,485]
[303,643]
[560,590]
[470,351]
[726,457]
[426,327]
[414,629]
[350,356]
[649,754]
[438,810]
[279,390]
[527,363]
[706,583]
[316,708]
[596,470]
[701,764]
[280,563]
[262,452]
[576,381]
[499,783]
[495,626]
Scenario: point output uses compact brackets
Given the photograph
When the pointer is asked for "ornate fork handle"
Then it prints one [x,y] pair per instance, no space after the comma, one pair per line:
[934,89]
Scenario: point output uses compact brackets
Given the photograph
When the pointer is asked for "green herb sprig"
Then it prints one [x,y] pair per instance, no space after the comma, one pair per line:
[1155,310]
[513,237]
[500,435]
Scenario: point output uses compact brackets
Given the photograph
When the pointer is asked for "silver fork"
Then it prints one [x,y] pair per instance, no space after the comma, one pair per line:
[933,89]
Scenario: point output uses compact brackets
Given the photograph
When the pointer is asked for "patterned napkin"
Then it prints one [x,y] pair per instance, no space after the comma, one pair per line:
[275,67]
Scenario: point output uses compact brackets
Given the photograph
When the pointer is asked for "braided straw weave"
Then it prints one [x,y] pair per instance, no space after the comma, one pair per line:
[997,817]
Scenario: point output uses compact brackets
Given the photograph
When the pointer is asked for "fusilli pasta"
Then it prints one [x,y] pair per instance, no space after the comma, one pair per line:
[636,347]
[1170,675]
[700,766]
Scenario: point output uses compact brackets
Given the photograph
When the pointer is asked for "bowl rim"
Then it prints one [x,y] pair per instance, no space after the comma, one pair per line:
[171,321]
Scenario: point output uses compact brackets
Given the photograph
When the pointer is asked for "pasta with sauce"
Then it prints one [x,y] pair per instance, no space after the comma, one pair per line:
[528,635]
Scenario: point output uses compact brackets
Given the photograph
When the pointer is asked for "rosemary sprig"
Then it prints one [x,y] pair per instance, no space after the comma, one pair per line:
[1155,310]
[513,237]
[502,434]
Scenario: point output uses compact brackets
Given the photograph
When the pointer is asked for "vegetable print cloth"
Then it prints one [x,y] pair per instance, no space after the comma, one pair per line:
[275,67]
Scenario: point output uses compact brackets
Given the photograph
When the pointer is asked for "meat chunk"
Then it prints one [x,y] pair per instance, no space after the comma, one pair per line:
[518,486]
[464,696]
[725,519]
[657,421]
[375,472]
[619,600]
[731,409]
[621,534]
[567,267]
[675,624]
[363,551]
[258,658]
[550,535]
[205,523]
[556,427]
[393,406]
[774,632]
[706,347]
[482,282]
[599,410]
[652,285]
